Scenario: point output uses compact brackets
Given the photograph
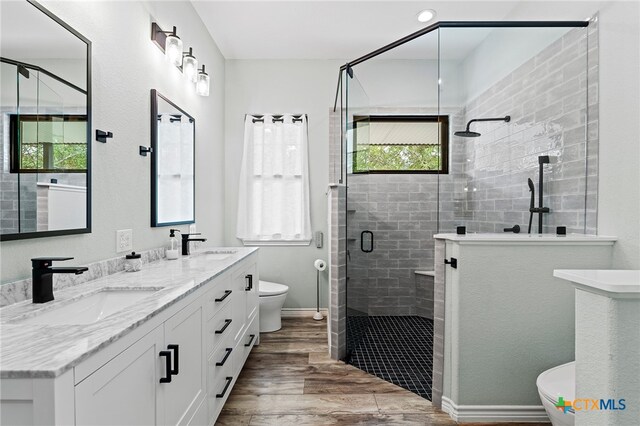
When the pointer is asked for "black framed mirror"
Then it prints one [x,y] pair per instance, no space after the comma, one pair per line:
[173,133]
[45,110]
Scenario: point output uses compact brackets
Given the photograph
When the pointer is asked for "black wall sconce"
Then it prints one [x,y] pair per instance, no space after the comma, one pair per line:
[171,45]
[101,135]
[144,150]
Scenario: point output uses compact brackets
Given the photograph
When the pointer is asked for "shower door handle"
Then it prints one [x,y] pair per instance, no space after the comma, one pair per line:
[362,241]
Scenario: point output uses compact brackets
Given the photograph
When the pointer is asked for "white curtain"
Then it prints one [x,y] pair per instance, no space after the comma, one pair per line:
[273,198]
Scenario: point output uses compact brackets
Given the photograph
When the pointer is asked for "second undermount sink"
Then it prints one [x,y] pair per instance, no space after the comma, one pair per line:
[217,254]
[90,308]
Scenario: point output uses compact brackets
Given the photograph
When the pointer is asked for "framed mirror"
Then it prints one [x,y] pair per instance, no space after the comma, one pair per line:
[45,109]
[172,163]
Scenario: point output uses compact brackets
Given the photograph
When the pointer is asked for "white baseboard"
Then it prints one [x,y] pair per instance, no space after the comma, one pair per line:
[302,312]
[494,413]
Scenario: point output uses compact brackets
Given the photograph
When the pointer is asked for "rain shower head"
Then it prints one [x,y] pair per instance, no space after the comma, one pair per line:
[469,134]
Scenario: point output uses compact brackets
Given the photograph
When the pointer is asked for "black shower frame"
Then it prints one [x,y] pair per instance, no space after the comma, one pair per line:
[443,24]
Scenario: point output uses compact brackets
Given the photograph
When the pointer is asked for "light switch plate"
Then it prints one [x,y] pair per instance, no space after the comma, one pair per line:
[124,240]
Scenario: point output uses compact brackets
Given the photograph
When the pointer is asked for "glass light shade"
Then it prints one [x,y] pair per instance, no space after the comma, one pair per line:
[173,49]
[190,68]
[202,86]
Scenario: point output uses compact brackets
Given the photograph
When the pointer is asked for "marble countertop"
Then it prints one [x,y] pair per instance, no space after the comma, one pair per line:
[613,282]
[37,351]
[509,237]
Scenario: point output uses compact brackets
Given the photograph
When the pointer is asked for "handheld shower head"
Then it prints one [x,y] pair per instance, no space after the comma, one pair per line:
[469,134]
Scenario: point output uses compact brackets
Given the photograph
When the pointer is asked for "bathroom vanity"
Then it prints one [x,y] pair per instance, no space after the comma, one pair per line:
[501,318]
[165,346]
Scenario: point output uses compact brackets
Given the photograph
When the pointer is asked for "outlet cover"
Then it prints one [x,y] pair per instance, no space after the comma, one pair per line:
[124,240]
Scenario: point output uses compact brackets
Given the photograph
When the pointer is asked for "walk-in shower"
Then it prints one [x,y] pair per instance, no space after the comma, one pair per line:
[404,171]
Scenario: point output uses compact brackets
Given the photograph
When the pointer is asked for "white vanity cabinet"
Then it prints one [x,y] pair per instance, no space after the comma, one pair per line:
[158,380]
[177,368]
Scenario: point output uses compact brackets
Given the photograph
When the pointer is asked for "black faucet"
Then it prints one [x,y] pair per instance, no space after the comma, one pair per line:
[186,240]
[42,276]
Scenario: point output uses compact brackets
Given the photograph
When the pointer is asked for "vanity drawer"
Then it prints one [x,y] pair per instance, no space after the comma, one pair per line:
[219,296]
[219,327]
[220,377]
[244,346]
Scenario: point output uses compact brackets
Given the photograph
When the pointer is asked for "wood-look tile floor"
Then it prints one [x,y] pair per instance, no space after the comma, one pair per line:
[289,379]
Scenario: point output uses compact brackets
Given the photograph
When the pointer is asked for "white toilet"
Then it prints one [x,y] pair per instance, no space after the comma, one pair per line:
[554,383]
[272,297]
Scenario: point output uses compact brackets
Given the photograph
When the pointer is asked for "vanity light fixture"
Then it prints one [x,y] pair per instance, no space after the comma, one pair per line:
[171,45]
[168,42]
[173,48]
[190,65]
[202,84]
[426,15]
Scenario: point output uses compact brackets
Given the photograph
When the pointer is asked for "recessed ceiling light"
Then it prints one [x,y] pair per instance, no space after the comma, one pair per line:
[426,15]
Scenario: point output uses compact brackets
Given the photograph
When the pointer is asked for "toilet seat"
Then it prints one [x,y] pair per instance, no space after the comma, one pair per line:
[268,288]
[558,381]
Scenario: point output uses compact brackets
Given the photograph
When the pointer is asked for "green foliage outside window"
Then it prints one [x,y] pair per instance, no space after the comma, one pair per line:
[66,156]
[397,158]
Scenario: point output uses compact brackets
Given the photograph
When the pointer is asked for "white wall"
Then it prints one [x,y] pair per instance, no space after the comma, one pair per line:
[282,86]
[126,65]
[619,174]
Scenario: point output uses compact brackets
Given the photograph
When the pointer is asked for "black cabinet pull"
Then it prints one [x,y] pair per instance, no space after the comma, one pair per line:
[176,360]
[249,285]
[453,262]
[370,249]
[224,327]
[229,380]
[167,355]
[221,363]
[226,294]
[253,336]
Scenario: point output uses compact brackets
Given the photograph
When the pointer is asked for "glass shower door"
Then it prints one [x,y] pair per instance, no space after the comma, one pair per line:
[360,237]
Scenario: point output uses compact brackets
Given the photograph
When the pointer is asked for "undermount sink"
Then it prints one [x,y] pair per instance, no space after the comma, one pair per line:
[89,309]
[217,254]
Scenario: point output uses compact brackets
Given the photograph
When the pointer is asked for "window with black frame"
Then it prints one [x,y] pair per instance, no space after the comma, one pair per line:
[401,144]
[48,143]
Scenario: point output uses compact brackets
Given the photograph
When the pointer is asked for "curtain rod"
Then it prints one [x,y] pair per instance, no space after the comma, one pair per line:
[259,118]
[174,117]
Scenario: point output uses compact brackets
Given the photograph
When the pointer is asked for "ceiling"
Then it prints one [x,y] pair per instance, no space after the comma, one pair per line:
[348,29]
[327,29]
[27,33]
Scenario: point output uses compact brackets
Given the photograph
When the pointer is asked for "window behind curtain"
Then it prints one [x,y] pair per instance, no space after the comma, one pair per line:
[273,198]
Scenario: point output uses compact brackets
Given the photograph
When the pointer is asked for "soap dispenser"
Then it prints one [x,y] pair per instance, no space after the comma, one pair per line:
[173,251]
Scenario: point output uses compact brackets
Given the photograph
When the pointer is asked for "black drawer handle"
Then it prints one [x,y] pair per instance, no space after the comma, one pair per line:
[249,285]
[167,355]
[253,336]
[229,380]
[226,294]
[453,262]
[224,327]
[176,360]
[221,363]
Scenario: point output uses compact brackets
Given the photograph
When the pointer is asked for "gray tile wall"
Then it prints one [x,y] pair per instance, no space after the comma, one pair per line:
[424,295]
[552,101]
